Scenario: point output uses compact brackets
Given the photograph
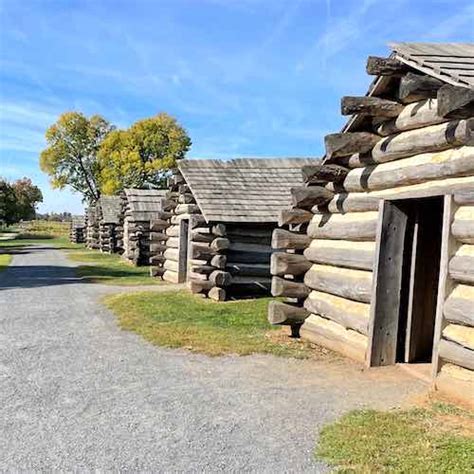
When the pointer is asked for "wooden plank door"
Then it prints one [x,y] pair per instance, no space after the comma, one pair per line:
[388,308]
[183,251]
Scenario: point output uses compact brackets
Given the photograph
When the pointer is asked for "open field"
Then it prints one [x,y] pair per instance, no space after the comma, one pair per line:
[437,438]
[179,319]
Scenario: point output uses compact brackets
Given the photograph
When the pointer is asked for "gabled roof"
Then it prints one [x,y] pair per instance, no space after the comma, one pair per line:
[144,204]
[111,207]
[243,190]
[450,62]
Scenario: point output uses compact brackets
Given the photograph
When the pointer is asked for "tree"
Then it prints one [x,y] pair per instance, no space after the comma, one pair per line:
[71,156]
[18,200]
[142,154]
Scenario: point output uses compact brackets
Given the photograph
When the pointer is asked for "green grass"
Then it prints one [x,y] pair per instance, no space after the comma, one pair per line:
[5,260]
[110,269]
[436,439]
[180,319]
[44,228]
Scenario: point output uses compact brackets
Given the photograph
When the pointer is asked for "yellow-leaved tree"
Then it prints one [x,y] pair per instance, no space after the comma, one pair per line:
[142,154]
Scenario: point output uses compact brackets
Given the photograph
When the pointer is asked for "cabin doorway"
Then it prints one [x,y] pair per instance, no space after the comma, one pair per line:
[183,251]
[406,290]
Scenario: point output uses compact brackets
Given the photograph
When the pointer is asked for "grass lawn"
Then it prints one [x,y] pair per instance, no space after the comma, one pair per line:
[437,438]
[110,269]
[5,260]
[180,319]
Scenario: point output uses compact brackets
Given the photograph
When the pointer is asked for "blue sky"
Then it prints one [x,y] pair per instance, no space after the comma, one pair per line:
[245,77]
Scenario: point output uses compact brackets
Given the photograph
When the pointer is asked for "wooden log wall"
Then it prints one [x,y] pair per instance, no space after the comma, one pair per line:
[454,368]
[92,227]
[412,141]
[77,234]
[139,246]
[111,237]
[248,259]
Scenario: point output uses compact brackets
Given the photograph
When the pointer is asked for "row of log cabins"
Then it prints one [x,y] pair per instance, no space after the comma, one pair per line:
[218,238]
[384,228]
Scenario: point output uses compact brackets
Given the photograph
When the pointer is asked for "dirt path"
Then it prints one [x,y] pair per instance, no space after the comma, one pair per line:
[78,393]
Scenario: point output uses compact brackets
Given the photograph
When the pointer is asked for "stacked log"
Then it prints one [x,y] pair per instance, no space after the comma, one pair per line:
[92,227]
[144,210]
[77,233]
[456,345]
[411,138]
[248,259]
[111,224]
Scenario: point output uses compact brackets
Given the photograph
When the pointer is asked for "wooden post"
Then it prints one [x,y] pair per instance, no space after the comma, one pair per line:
[446,284]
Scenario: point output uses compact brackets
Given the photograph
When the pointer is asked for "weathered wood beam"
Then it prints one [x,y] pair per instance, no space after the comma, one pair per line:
[461,266]
[285,313]
[186,198]
[314,174]
[248,269]
[462,335]
[187,209]
[414,87]
[294,216]
[219,261]
[455,102]
[348,283]
[220,278]
[456,354]
[327,333]
[158,225]
[307,197]
[219,230]
[219,244]
[196,220]
[463,225]
[172,231]
[377,66]
[203,269]
[197,236]
[217,294]
[342,253]
[350,314]
[201,251]
[170,276]
[343,144]
[360,226]
[367,105]
[155,248]
[464,198]
[282,263]
[415,142]
[171,265]
[412,170]
[289,288]
[285,239]
[343,203]
[458,307]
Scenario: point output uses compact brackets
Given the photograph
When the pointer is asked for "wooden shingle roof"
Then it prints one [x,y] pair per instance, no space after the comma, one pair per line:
[144,204]
[243,190]
[111,207]
[450,62]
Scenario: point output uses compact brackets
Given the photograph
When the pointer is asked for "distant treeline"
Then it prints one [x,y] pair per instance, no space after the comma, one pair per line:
[18,200]
[55,216]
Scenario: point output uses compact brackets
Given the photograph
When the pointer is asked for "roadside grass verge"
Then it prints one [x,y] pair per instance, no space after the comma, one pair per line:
[5,260]
[109,269]
[437,438]
[180,319]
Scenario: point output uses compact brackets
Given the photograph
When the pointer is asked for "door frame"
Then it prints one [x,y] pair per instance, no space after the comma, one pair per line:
[385,303]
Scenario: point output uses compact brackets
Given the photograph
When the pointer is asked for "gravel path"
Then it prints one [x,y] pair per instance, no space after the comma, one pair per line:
[76,393]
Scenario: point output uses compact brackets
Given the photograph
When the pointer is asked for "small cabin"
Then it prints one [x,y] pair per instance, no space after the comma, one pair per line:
[111,224]
[384,227]
[140,206]
[77,232]
[218,238]
[92,226]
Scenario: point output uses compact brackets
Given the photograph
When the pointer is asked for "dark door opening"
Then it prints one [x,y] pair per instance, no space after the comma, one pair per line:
[183,247]
[407,281]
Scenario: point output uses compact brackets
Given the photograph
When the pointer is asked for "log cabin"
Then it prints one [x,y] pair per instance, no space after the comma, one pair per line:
[111,224]
[384,226]
[218,238]
[77,233]
[140,206]
[92,226]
